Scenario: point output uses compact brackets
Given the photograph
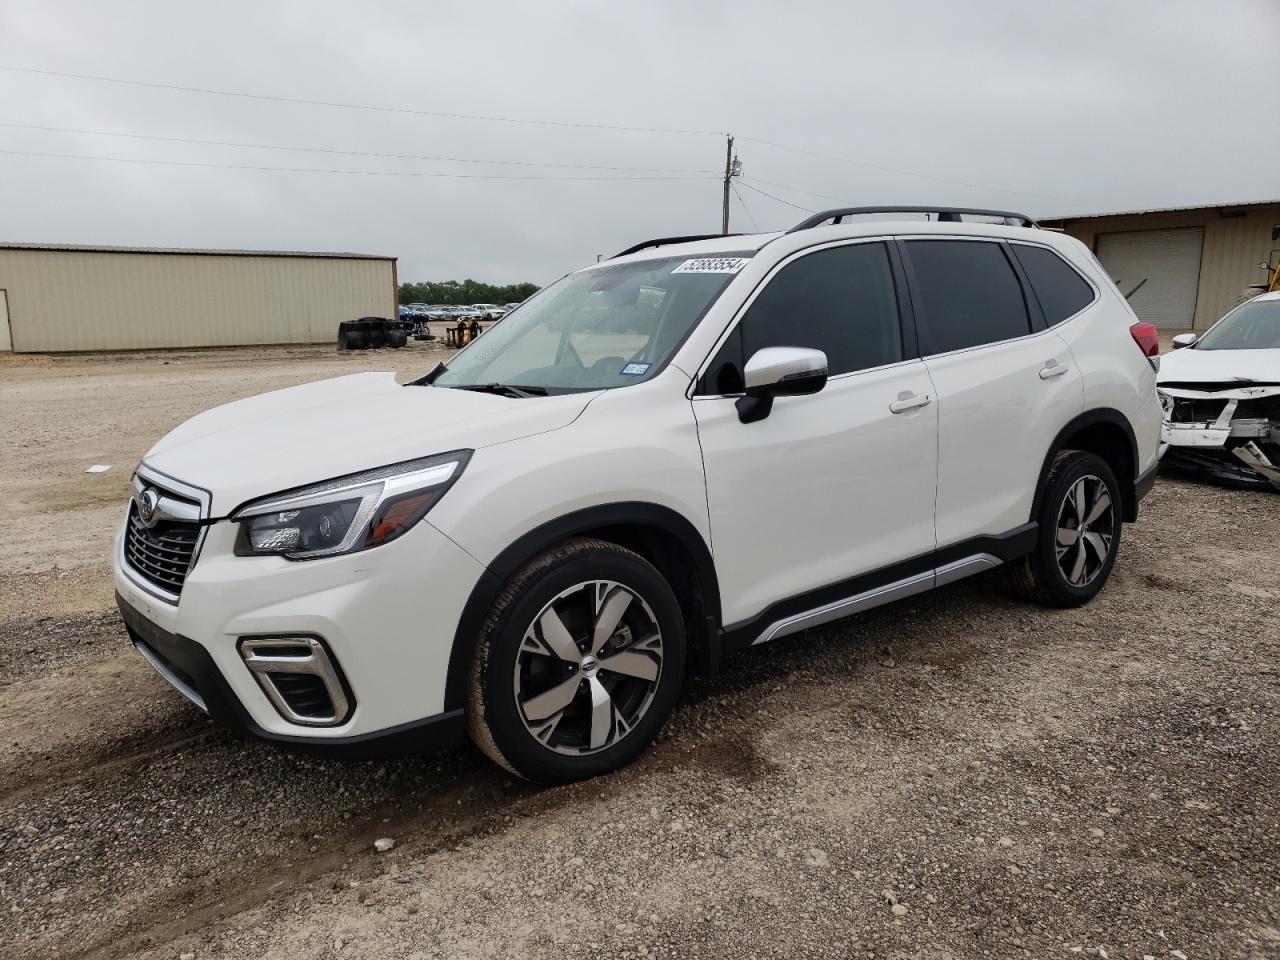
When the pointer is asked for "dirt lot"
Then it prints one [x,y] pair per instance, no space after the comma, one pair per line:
[961,775]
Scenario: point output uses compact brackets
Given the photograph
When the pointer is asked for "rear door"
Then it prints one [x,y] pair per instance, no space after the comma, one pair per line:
[1005,383]
[832,485]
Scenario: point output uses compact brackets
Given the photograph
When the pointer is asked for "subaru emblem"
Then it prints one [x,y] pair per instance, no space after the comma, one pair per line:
[148,500]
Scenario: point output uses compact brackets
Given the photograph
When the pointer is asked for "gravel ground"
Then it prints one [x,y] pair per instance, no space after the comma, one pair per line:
[956,776]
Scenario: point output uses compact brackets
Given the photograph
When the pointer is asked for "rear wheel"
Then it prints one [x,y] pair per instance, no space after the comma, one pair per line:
[1080,525]
[578,665]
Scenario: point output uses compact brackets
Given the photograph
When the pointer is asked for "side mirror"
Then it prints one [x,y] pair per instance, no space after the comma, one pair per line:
[1184,340]
[780,372]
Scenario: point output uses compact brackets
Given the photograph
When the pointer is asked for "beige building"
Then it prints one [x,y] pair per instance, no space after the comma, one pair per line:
[1190,265]
[65,298]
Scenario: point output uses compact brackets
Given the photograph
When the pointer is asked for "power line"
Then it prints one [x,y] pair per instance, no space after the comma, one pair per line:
[356,106]
[366,173]
[351,153]
[745,208]
[908,173]
[772,197]
[521,120]
[821,196]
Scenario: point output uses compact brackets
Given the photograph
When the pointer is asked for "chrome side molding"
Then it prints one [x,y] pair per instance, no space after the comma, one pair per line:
[951,572]
[878,596]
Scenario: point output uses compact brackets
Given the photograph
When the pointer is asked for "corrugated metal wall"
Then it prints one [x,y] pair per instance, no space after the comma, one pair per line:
[87,300]
[1234,245]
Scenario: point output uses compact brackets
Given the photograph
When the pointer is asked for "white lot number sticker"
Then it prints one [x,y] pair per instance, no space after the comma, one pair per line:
[712,265]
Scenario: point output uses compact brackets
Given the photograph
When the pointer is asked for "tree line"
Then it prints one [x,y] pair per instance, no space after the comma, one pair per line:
[465,292]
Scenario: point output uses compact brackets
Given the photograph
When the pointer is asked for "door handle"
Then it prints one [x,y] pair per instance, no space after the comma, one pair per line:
[909,401]
[1052,369]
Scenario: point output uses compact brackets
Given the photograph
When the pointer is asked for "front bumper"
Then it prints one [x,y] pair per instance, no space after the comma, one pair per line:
[1237,443]
[387,617]
[193,673]
[1244,453]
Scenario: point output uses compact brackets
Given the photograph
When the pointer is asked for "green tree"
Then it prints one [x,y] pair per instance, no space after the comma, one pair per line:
[465,292]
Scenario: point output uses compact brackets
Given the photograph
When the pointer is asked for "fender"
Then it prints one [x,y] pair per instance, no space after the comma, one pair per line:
[511,559]
[1090,418]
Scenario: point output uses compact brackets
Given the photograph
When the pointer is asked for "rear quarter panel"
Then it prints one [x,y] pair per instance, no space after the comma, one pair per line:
[1116,374]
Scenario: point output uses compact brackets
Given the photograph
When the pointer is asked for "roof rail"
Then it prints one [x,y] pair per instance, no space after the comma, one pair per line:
[663,241]
[945,215]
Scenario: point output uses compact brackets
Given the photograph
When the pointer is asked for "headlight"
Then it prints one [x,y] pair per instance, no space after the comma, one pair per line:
[347,514]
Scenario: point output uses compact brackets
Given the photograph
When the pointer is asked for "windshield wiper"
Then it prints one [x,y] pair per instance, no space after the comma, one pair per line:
[505,389]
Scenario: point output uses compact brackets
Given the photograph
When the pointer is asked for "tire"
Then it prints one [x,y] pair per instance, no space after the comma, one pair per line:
[525,710]
[1075,576]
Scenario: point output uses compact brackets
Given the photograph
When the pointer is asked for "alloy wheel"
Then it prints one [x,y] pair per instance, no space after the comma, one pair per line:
[588,668]
[1086,529]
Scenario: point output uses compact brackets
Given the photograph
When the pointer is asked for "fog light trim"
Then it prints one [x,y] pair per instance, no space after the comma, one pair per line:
[265,656]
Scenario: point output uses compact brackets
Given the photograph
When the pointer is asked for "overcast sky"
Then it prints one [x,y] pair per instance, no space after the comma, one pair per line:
[1047,108]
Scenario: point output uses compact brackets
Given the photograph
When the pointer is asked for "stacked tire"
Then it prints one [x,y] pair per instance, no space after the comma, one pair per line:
[370,333]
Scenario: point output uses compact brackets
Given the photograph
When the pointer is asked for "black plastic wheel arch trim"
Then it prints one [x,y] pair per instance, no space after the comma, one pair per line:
[511,559]
[1128,481]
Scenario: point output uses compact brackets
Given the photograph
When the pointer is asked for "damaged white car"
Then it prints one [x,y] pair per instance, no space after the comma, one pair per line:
[1221,398]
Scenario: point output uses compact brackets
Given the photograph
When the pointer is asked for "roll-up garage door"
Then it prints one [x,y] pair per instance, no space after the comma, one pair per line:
[1169,262]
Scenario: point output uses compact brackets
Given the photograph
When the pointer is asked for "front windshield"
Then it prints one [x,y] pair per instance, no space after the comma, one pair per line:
[608,326]
[1251,326]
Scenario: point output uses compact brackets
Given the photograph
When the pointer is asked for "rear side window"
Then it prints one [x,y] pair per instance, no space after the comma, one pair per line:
[840,301]
[1062,292]
[970,294]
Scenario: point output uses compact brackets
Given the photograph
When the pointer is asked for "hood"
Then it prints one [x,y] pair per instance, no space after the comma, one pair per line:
[1190,365]
[318,431]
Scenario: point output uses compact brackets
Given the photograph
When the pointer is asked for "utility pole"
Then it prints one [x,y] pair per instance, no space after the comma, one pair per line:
[731,167]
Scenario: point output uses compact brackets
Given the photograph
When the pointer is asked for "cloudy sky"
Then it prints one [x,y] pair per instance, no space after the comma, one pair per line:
[1047,108]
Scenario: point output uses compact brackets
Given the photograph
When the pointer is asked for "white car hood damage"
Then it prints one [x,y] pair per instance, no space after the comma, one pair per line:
[314,432]
[1216,367]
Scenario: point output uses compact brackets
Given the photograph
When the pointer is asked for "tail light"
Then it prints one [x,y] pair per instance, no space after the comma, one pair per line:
[1147,337]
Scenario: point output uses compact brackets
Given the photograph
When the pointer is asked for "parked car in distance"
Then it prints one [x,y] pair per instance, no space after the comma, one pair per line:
[463,313]
[508,307]
[489,311]
[694,447]
[1221,397]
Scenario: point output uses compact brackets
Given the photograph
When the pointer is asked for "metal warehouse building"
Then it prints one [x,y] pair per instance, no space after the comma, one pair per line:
[66,298]
[1193,263]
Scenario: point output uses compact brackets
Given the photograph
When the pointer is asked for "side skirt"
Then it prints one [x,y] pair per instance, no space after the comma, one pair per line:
[871,590]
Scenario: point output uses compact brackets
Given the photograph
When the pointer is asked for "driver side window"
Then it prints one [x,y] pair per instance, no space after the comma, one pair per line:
[840,300]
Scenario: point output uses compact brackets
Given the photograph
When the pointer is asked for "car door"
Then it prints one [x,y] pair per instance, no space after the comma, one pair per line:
[1005,384]
[832,485]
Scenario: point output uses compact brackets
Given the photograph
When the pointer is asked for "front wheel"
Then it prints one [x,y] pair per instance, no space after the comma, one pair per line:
[578,665]
[1080,522]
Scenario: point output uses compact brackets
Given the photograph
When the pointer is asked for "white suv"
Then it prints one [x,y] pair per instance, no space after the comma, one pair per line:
[685,450]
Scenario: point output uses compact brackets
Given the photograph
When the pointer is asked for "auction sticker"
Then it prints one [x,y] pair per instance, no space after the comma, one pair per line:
[635,369]
[712,265]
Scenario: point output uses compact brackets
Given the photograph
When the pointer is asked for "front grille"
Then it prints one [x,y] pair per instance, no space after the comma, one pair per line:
[160,554]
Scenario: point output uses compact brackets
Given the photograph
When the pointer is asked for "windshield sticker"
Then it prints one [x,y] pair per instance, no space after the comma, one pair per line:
[712,265]
[635,369]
